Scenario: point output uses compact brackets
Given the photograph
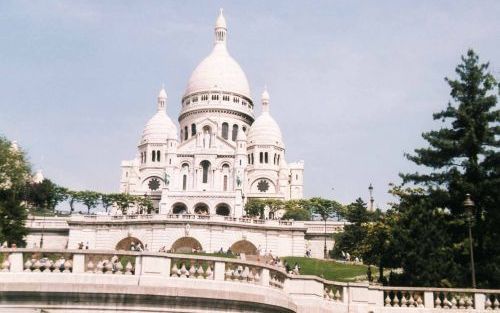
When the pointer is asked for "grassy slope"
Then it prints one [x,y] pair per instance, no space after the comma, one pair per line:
[330,270]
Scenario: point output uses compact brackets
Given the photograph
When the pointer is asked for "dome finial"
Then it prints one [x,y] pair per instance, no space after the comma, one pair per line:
[220,29]
[265,100]
[162,99]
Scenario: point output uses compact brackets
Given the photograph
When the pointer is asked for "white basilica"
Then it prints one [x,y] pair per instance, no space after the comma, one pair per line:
[221,155]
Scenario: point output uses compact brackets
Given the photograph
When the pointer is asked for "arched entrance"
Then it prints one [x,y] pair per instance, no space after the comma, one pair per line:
[179,208]
[222,209]
[186,245]
[130,244]
[244,246]
[201,208]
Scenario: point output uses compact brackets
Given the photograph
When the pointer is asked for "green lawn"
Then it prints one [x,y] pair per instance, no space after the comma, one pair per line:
[327,269]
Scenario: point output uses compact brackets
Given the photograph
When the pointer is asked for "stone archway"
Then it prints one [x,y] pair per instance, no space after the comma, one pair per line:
[244,246]
[222,209]
[130,244]
[202,209]
[179,208]
[186,245]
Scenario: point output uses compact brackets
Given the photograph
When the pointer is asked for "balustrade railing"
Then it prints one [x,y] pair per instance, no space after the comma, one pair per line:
[404,298]
[333,292]
[48,262]
[277,279]
[110,264]
[192,268]
[242,273]
[166,266]
[492,301]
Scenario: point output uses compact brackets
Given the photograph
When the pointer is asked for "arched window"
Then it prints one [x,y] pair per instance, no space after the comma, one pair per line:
[184,182]
[261,157]
[158,155]
[206,167]
[225,130]
[252,157]
[265,157]
[235,132]
[225,183]
[186,133]
[193,129]
[182,134]
[274,159]
[248,157]
[278,159]
[153,156]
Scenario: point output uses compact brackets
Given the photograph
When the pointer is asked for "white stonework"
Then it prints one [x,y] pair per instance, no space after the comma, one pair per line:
[221,156]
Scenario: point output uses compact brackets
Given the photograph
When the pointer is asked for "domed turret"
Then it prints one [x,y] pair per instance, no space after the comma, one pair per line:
[160,127]
[265,130]
[219,70]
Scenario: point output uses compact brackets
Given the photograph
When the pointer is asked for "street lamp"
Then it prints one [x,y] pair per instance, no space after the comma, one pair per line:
[370,189]
[469,207]
[325,249]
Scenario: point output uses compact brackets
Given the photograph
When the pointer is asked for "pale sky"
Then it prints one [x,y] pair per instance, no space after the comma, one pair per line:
[353,84]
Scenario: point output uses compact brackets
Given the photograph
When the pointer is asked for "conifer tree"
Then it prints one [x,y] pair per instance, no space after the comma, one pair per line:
[463,157]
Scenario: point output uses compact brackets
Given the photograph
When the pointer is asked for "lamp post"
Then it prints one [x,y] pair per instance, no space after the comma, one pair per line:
[370,189]
[469,207]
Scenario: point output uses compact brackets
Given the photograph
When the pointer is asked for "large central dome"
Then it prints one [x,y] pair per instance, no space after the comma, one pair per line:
[219,71]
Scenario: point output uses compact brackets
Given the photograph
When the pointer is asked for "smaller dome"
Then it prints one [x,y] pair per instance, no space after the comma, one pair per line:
[265,131]
[159,128]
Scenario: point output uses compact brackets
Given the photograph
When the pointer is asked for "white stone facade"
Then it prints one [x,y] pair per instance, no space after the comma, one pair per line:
[221,156]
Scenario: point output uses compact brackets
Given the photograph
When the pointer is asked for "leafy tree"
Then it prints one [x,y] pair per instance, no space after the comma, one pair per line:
[463,157]
[90,199]
[297,210]
[144,204]
[14,176]
[107,200]
[324,207]
[255,208]
[124,200]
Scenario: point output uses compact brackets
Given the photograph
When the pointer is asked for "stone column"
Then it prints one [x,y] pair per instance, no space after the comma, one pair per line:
[219,270]
[78,263]
[16,262]
[429,299]
[479,301]
[264,277]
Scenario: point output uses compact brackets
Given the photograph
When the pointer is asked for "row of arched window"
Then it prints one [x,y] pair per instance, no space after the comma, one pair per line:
[264,158]
[155,156]
[206,170]
[216,97]
[224,132]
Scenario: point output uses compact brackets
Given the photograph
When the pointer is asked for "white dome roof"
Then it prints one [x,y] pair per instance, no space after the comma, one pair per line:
[159,128]
[265,131]
[219,70]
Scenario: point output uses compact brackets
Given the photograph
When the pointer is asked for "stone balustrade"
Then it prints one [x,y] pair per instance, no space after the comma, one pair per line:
[91,269]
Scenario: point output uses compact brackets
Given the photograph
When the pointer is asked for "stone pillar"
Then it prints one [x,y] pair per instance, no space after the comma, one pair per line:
[219,270]
[138,265]
[155,265]
[78,263]
[264,277]
[479,301]
[16,262]
[429,299]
